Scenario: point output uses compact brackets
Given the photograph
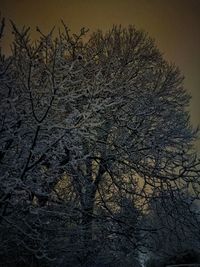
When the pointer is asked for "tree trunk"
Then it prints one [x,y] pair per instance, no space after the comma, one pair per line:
[87,221]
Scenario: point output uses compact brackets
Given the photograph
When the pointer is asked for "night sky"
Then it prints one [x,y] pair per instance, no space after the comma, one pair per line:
[175,25]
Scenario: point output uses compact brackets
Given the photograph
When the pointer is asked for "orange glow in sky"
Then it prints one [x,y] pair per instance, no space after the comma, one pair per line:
[175,25]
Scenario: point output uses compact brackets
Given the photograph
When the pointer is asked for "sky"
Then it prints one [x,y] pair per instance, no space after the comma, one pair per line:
[174,24]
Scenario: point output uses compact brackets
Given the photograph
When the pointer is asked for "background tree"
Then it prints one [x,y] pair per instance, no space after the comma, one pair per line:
[176,215]
[91,128]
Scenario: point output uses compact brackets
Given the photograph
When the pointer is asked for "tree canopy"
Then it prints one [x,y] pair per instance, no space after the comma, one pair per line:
[94,130]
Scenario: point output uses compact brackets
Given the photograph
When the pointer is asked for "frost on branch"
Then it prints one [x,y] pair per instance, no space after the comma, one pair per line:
[94,135]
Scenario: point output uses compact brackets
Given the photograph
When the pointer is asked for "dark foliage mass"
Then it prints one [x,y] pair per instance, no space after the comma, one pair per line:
[190,257]
[97,166]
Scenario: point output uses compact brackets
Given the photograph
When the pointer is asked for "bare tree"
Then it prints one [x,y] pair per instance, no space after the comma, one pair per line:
[92,121]
[175,214]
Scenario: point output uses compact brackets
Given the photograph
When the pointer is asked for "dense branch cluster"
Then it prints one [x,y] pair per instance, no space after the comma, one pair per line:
[96,151]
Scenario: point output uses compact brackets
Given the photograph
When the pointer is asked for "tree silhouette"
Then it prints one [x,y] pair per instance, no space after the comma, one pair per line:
[87,123]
